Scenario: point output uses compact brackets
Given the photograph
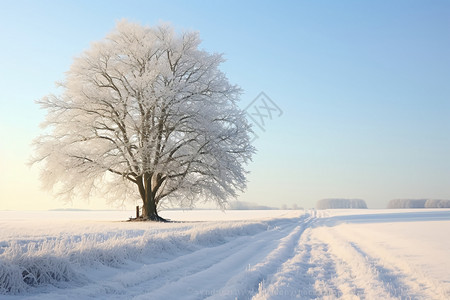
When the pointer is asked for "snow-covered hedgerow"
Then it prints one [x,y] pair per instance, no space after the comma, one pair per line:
[340,203]
[418,203]
[436,203]
[407,203]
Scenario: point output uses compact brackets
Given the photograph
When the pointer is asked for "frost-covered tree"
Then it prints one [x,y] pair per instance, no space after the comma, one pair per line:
[437,203]
[418,203]
[407,203]
[335,203]
[144,112]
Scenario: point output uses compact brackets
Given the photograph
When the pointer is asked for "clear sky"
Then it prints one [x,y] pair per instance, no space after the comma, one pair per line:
[364,87]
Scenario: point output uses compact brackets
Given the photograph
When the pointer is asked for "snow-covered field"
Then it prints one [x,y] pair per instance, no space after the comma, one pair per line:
[349,254]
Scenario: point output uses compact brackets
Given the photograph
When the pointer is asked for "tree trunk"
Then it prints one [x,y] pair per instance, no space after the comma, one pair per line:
[149,210]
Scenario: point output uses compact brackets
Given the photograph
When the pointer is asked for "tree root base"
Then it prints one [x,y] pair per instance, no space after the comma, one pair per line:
[154,218]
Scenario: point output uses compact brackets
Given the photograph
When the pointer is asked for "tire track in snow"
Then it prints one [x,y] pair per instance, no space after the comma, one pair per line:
[390,278]
[371,278]
[186,273]
[247,283]
[309,274]
[401,279]
[234,276]
[326,265]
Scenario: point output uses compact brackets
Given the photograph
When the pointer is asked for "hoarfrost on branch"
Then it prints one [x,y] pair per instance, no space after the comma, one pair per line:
[145,112]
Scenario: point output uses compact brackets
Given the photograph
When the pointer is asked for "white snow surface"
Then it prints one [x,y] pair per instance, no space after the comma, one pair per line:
[270,254]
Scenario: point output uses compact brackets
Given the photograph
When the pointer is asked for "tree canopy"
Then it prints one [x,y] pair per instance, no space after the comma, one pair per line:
[145,113]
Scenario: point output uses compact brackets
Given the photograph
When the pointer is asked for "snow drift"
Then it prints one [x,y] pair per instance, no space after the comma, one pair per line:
[418,203]
[340,203]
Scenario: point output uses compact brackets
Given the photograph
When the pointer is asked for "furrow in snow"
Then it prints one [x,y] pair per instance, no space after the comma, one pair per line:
[247,283]
[398,274]
[307,275]
[210,281]
[370,279]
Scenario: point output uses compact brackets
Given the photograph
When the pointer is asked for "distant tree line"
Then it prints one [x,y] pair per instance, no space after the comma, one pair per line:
[242,205]
[418,203]
[334,203]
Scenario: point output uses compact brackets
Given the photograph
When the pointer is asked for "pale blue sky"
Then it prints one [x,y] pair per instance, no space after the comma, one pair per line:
[364,89]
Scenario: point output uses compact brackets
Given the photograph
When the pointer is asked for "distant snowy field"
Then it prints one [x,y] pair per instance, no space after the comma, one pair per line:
[270,254]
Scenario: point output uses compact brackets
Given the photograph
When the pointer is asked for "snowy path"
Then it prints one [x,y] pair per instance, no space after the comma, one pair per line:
[313,255]
[341,262]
